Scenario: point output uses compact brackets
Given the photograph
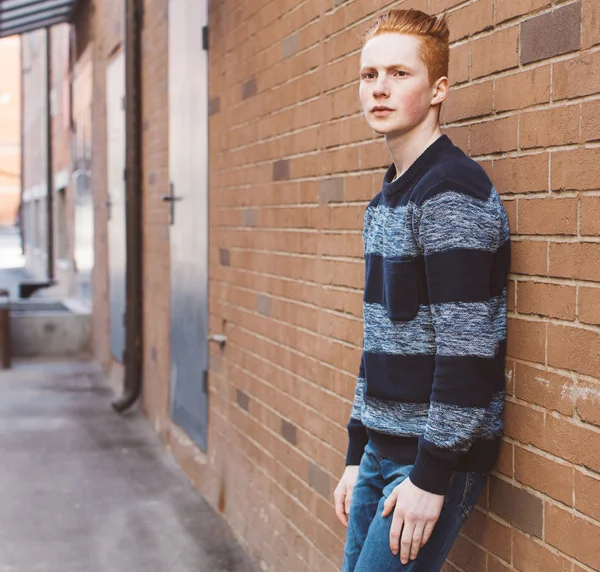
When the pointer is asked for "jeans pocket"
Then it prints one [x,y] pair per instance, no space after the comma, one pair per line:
[474,483]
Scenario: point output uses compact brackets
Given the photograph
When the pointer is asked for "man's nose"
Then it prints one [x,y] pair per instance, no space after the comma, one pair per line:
[381,86]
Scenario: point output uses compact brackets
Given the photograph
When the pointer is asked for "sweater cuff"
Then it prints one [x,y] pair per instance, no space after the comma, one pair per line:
[430,473]
[357,442]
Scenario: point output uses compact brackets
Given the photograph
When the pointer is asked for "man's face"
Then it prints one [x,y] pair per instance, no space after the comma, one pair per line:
[393,75]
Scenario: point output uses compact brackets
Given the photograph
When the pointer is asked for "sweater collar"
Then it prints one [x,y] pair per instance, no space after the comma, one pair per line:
[421,162]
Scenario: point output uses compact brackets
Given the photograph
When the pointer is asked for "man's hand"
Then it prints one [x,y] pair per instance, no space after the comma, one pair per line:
[417,511]
[343,493]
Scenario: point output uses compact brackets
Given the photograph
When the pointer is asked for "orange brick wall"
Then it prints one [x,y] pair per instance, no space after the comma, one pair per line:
[292,166]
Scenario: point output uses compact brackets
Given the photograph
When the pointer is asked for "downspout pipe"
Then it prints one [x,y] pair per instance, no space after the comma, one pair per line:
[132,386]
[49,158]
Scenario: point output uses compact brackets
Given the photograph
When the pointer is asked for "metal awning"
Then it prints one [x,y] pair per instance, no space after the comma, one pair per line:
[20,16]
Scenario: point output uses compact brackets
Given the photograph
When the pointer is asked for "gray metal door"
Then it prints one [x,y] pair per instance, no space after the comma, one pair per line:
[188,205]
[115,131]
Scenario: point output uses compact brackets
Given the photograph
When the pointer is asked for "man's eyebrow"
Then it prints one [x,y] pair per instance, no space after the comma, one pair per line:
[364,68]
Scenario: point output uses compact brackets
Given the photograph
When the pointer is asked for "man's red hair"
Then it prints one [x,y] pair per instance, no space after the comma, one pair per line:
[433,31]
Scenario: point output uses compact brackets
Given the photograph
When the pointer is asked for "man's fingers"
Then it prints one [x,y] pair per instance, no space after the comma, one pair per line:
[390,503]
[416,540]
[348,501]
[406,540]
[395,531]
[340,497]
[428,531]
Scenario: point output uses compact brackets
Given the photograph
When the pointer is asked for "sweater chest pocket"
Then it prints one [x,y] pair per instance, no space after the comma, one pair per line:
[401,291]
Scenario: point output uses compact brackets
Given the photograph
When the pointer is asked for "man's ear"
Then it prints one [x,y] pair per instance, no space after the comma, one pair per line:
[440,91]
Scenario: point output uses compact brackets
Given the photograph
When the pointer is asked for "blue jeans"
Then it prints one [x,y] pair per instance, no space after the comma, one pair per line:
[367,539]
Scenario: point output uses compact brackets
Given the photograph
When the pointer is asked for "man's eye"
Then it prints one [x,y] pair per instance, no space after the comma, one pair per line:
[368,75]
[401,73]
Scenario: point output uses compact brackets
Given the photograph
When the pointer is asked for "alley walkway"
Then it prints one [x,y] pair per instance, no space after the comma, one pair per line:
[85,490]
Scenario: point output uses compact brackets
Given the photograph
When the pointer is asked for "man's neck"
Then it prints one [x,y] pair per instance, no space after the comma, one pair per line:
[406,148]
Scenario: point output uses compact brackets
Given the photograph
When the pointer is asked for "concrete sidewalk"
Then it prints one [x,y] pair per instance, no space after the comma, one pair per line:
[83,489]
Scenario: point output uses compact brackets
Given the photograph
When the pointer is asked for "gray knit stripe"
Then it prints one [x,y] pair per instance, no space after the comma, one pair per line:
[499,316]
[455,428]
[398,240]
[382,336]
[394,417]
[465,328]
[359,393]
[467,223]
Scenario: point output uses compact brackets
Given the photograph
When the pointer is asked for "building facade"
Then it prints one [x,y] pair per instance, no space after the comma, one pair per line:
[10,134]
[257,165]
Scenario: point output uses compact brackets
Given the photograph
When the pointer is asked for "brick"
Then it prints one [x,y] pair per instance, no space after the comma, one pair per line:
[319,480]
[438,6]
[494,565]
[530,554]
[587,494]
[467,556]
[587,402]
[517,506]
[573,535]
[590,121]
[504,464]
[495,53]
[288,431]
[591,23]
[522,89]
[545,388]
[289,46]
[550,300]
[544,128]
[224,257]
[471,19]
[459,136]
[525,174]
[575,77]
[590,216]
[507,9]
[575,170]
[548,216]
[249,88]
[574,442]
[526,340]
[489,533]
[249,217]
[545,475]
[458,70]
[524,424]
[281,170]
[551,34]
[574,349]
[472,101]
[242,400]
[529,257]
[511,293]
[331,190]
[494,136]
[589,305]
[580,260]
[263,304]
[510,206]
[214,105]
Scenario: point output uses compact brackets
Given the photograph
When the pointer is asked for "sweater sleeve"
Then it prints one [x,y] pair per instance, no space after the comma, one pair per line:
[357,433]
[459,234]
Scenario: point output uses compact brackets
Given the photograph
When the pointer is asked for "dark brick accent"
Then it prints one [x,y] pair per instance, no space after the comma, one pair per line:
[242,400]
[153,353]
[249,88]
[289,46]
[288,430]
[331,190]
[281,170]
[249,217]
[517,506]
[551,34]
[224,256]
[214,105]
[318,480]
[146,125]
[263,304]
[152,178]
[214,362]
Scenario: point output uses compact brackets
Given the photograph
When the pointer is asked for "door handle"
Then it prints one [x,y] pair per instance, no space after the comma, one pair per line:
[171,198]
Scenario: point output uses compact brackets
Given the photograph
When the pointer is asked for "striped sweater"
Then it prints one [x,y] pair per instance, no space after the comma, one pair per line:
[430,389]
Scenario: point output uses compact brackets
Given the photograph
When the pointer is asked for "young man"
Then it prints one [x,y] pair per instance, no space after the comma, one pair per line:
[427,417]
